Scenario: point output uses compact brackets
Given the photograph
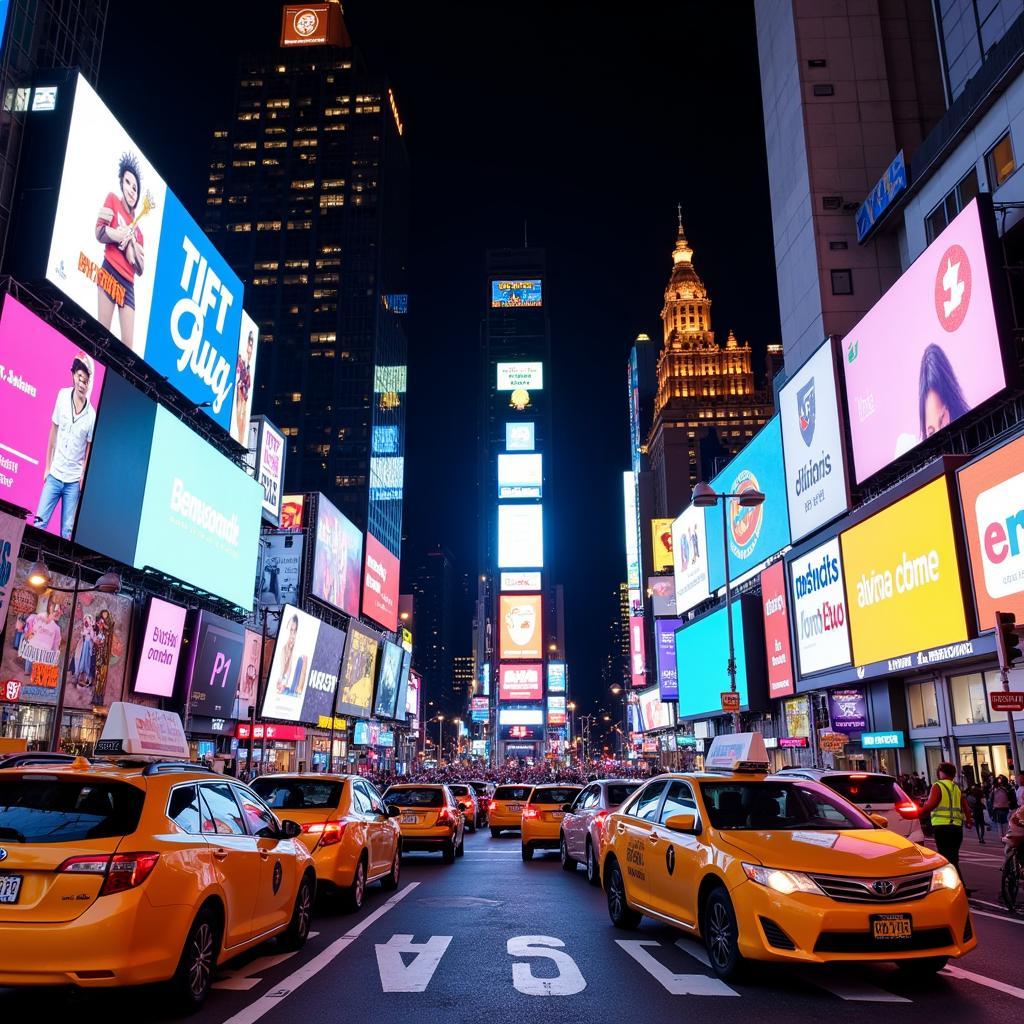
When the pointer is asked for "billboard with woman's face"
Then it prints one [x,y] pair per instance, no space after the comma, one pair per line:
[358,670]
[929,350]
[338,559]
[289,671]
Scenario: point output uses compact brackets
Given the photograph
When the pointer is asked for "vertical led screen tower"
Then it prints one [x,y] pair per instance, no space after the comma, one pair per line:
[515,502]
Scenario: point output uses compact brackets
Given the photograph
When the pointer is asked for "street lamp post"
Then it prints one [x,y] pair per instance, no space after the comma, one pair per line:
[440,748]
[704,496]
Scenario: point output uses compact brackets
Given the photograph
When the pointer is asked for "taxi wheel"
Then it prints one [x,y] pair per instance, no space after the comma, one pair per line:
[294,937]
[527,851]
[495,832]
[448,852]
[471,824]
[352,897]
[568,864]
[460,850]
[191,982]
[721,936]
[621,913]
[390,881]
[593,871]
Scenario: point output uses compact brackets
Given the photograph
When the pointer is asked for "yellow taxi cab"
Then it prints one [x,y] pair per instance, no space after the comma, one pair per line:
[138,870]
[506,809]
[430,818]
[542,817]
[352,835]
[780,869]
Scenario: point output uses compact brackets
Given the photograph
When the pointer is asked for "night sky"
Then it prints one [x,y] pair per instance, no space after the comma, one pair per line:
[587,122]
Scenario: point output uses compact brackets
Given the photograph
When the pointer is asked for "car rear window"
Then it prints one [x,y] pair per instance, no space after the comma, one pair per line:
[871,789]
[414,797]
[619,794]
[561,795]
[462,790]
[298,794]
[67,810]
[480,787]
[512,792]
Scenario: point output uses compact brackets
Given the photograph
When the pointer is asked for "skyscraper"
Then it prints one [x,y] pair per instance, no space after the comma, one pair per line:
[308,199]
[431,581]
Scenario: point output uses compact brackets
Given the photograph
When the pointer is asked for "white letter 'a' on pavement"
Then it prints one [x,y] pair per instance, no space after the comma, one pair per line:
[567,982]
[675,984]
[396,975]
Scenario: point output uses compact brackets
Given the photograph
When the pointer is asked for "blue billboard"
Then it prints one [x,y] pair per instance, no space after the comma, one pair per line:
[516,293]
[755,534]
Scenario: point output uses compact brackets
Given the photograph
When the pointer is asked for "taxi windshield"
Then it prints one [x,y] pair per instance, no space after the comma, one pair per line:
[414,797]
[561,795]
[760,806]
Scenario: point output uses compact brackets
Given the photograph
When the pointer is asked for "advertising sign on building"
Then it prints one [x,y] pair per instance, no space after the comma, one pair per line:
[520,376]
[556,710]
[820,620]
[514,582]
[161,646]
[929,351]
[11,532]
[520,682]
[848,709]
[663,595]
[153,279]
[637,651]
[661,544]
[654,712]
[312,25]
[520,475]
[279,580]
[217,646]
[992,499]
[690,559]
[812,442]
[516,293]
[338,560]
[781,678]
[556,677]
[358,671]
[386,698]
[665,657]
[903,578]
[271,450]
[797,715]
[520,437]
[632,524]
[380,584]
[521,536]
[521,627]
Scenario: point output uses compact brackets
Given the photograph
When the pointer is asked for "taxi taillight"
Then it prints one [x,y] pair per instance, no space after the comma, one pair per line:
[327,833]
[908,809]
[445,817]
[529,813]
[122,871]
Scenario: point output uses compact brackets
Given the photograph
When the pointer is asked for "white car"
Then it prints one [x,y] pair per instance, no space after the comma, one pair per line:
[583,824]
[873,793]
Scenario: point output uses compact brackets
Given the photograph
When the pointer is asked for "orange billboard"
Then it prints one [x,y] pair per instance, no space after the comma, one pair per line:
[992,498]
[522,628]
[313,25]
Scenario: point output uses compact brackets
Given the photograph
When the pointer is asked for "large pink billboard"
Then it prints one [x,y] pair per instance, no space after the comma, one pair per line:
[929,351]
[49,394]
[380,584]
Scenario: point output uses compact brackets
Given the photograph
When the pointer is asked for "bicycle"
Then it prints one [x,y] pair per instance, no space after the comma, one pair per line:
[1010,882]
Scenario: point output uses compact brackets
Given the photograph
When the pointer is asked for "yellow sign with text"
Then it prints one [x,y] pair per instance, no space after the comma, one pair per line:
[903,578]
[661,544]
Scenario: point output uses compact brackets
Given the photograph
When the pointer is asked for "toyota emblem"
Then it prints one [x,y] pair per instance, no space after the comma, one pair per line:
[3,853]
[884,887]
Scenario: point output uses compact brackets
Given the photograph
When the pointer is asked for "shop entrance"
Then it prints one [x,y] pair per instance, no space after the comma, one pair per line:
[981,763]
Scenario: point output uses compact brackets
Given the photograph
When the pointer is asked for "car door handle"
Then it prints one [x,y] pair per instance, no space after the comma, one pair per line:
[653,837]
[620,828]
[264,855]
[220,853]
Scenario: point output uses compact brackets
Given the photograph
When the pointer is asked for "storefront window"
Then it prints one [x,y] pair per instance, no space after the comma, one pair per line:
[924,705]
[970,701]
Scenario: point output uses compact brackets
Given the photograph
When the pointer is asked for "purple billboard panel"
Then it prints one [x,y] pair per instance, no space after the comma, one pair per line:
[665,652]
[848,709]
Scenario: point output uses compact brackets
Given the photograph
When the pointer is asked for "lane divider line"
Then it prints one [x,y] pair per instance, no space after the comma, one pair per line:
[262,1006]
[1000,986]
[850,989]
[997,917]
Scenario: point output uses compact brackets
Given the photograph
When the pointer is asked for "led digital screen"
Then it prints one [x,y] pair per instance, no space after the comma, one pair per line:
[47,387]
[556,710]
[556,677]
[929,350]
[520,437]
[338,559]
[358,671]
[520,536]
[665,657]
[387,474]
[819,610]
[271,449]
[520,476]
[361,734]
[520,682]
[757,532]
[385,439]
[153,279]
[637,651]
[781,677]
[521,627]
[520,376]
[662,590]
[520,716]
[516,293]
[380,584]
[520,581]
[632,525]
[661,544]
[304,672]
[391,379]
[162,634]
[401,705]
[412,704]
[690,559]
[217,647]
[279,580]
[654,712]
[386,699]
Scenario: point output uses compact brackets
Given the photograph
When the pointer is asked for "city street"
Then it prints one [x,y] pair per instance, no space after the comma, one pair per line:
[492,937]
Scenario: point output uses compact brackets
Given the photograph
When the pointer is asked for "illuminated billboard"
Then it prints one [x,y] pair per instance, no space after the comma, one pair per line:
[637,651]
[521,631]
[632,524]
[654,712]
[389,679]
[556,677]
[662,591]
[520,476]
[380,584]
[313,25]
[516,293]
[358,671]
[665,657]
[385,439]
[519,581]
[775,603]
[520,376]
[391,381]
[556,710]
[520,716]
[49,395]
[929,350]
[338,559]
[690,559]
[903,578]
[160,497]
[520,437]
[216,662]
[268,448]
[127,252]
[661,544]
[818,607]
[520,682]
[162,635]
[754,533]
[520,536]
[279,580]
[387,474]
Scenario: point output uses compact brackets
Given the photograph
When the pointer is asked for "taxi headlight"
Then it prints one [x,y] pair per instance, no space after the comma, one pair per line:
[785,882]
[945,878]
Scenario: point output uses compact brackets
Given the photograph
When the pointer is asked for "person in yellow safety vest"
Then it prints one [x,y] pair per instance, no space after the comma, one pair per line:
[950,812]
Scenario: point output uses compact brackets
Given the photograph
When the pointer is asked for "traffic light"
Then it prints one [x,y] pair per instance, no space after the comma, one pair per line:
[1008,640]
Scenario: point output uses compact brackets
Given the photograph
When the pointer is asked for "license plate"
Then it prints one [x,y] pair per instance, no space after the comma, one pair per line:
[891,926]
[556,814]
[409,819]
[10,886]
[515,807]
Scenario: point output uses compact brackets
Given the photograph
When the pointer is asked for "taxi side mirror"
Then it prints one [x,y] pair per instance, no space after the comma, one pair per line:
[290,829]
[392,810]
[880,820]
[567,808]
[682,823]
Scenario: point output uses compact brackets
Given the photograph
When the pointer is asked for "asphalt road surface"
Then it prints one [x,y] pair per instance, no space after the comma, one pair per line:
[493,938]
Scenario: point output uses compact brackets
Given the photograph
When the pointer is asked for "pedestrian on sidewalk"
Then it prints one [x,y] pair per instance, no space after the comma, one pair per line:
[950,811]
[1001,801]
[1020,789]
[976,802]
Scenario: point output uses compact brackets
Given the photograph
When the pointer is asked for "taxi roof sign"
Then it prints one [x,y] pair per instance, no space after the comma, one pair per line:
[740,752]
[142,732]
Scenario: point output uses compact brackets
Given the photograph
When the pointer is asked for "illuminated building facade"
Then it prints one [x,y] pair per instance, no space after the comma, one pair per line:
[308,199]
[708,404]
